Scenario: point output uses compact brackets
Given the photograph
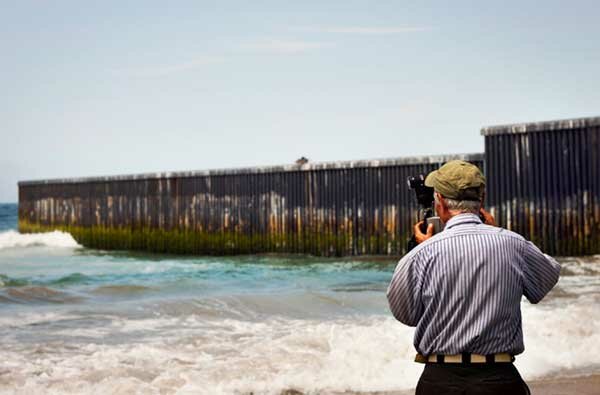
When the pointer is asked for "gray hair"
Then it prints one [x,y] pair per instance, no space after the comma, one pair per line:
[464,206]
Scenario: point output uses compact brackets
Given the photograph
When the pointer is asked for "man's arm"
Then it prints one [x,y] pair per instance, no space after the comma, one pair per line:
[404,291]
[540,272]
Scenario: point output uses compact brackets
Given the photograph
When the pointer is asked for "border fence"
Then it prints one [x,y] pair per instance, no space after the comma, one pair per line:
[543,182]
[331,209]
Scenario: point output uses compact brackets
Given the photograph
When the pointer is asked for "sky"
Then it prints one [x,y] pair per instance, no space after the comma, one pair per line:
[120,87]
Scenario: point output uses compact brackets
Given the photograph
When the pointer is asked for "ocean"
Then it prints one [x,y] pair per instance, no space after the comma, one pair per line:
[85,321]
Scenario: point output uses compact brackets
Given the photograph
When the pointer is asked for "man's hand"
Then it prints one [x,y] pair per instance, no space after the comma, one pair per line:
[489,218]
[420,236]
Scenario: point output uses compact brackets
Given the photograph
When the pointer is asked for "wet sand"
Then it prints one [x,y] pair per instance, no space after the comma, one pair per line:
[584,385]
[587,385]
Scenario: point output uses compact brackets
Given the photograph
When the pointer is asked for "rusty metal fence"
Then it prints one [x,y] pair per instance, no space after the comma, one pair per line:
[544,182]
[331,209]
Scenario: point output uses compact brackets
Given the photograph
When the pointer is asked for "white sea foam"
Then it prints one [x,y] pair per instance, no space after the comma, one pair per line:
[558,339]
[191,355]
[264,344]
[11,239]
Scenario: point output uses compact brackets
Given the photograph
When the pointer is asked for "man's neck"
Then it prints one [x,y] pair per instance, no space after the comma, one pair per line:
[454,213]
[462,218]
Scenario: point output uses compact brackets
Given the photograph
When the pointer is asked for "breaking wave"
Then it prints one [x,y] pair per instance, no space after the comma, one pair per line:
[73,278]
[193,354]
[12,239]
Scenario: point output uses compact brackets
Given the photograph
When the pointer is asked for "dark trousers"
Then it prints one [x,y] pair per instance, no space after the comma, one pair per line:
[471,379]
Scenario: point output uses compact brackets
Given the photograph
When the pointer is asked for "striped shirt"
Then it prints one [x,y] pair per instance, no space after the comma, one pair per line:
[462,288]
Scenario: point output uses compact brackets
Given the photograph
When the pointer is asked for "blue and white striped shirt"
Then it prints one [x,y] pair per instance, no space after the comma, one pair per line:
[462,288]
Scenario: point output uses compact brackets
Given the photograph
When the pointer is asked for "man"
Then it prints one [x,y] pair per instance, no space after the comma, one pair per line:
[462,288]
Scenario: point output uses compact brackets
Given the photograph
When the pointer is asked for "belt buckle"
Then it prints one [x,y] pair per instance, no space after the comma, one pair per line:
[420,358]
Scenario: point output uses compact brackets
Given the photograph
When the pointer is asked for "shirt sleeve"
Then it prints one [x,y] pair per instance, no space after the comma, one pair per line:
[404,291]
[540,272]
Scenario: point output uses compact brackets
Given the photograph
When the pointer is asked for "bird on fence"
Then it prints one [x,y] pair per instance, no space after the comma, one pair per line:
[301,161]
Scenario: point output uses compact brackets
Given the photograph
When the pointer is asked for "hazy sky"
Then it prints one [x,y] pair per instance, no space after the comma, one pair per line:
[110,87]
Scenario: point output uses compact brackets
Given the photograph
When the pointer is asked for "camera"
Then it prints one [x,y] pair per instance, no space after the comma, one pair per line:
[424,193]
[425,199]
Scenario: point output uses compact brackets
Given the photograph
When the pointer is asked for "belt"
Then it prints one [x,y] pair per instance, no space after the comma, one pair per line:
[465,358]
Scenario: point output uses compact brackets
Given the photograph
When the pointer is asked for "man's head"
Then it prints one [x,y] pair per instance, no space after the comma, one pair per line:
[459,188]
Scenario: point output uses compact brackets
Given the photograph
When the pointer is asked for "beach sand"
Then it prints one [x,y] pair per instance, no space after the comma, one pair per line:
[587,385]
[582,385]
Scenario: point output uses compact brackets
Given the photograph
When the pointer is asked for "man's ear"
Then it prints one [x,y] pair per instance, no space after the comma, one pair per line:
[440,198]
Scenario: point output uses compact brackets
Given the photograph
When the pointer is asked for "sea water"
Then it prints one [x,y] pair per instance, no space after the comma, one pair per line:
[78,320]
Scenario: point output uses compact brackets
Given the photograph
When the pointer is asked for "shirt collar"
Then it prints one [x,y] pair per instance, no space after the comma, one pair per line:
[461,219]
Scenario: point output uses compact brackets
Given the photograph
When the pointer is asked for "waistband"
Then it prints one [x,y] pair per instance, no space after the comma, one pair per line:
[465,358]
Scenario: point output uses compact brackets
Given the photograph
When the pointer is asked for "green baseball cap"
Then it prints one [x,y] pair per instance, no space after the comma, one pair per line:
[458,180]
